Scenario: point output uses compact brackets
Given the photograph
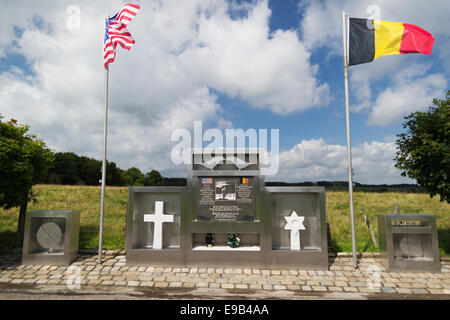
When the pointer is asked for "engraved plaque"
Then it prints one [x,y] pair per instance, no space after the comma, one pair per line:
[226,199]
[49,235]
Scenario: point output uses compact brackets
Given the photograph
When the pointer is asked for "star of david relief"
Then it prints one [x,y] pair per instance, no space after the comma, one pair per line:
[294,223]
[158,218]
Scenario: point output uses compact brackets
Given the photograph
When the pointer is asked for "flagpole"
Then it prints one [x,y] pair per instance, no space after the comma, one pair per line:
[349,151]
[102,203]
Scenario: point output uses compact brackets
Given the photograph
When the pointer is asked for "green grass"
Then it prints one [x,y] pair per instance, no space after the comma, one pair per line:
[83,198]
[87,199]
[371,204]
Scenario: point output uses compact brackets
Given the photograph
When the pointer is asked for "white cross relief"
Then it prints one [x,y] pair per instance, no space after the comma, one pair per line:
[158,219]
[295,224]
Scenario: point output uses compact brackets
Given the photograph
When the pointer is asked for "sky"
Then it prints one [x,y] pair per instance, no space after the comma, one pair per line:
[230,64]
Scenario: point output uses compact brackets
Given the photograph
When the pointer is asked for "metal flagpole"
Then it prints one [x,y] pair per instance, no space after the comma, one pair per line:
[102,203]
[349,148]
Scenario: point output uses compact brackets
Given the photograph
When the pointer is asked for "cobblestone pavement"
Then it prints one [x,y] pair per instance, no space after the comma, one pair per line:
[342,280]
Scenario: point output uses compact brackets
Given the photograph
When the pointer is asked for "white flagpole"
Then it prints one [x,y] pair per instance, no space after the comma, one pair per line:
[349,148]
[102,203]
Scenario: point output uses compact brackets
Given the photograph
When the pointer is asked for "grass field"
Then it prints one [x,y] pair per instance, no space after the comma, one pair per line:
[87,199]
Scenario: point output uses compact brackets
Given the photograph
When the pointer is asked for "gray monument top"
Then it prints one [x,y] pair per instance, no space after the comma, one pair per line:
[226,159]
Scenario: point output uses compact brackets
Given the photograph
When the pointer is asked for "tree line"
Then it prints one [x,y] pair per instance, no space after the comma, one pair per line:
[71,169]
[343,186]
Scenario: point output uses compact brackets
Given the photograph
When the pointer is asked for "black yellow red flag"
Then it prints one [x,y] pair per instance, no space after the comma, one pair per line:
[371,39]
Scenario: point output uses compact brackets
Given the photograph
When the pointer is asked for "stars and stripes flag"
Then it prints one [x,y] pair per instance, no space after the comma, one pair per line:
[207,180]
[116,32]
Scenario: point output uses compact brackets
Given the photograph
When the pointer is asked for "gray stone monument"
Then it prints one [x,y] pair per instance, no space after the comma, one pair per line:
[408,242]
[226,195]
[51,237]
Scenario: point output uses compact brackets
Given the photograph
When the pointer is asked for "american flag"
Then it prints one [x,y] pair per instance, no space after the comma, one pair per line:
[116,32]
[207,180]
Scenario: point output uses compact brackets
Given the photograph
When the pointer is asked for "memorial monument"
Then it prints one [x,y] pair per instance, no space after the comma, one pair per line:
[409,242]
[51,237]
[226,216]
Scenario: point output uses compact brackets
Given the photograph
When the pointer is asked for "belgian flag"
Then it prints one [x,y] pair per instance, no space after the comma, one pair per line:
[370,39]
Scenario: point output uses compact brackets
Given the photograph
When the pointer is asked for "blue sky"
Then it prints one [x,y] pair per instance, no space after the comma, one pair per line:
[329,121]
[231,64]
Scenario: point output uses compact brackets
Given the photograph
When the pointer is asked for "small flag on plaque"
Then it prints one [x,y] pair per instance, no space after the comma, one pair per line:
[244,180]
[206,180]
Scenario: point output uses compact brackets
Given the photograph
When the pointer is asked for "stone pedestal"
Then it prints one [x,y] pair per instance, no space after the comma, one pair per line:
[408,242]
[51,237]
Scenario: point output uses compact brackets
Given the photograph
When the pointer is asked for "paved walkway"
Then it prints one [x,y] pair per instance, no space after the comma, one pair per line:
[370,280]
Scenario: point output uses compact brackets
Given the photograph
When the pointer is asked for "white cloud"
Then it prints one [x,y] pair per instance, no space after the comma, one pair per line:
[405,87]
[404,97]
[315,160]
[364,76]
[183,50]
[241,58]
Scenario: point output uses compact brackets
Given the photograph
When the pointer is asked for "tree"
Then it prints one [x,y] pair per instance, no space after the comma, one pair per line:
[24,161]
[114,175]
[64,169]
[179,182]
[89,171]
[133,177]
[153,178]
[424,149]
[69,168]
